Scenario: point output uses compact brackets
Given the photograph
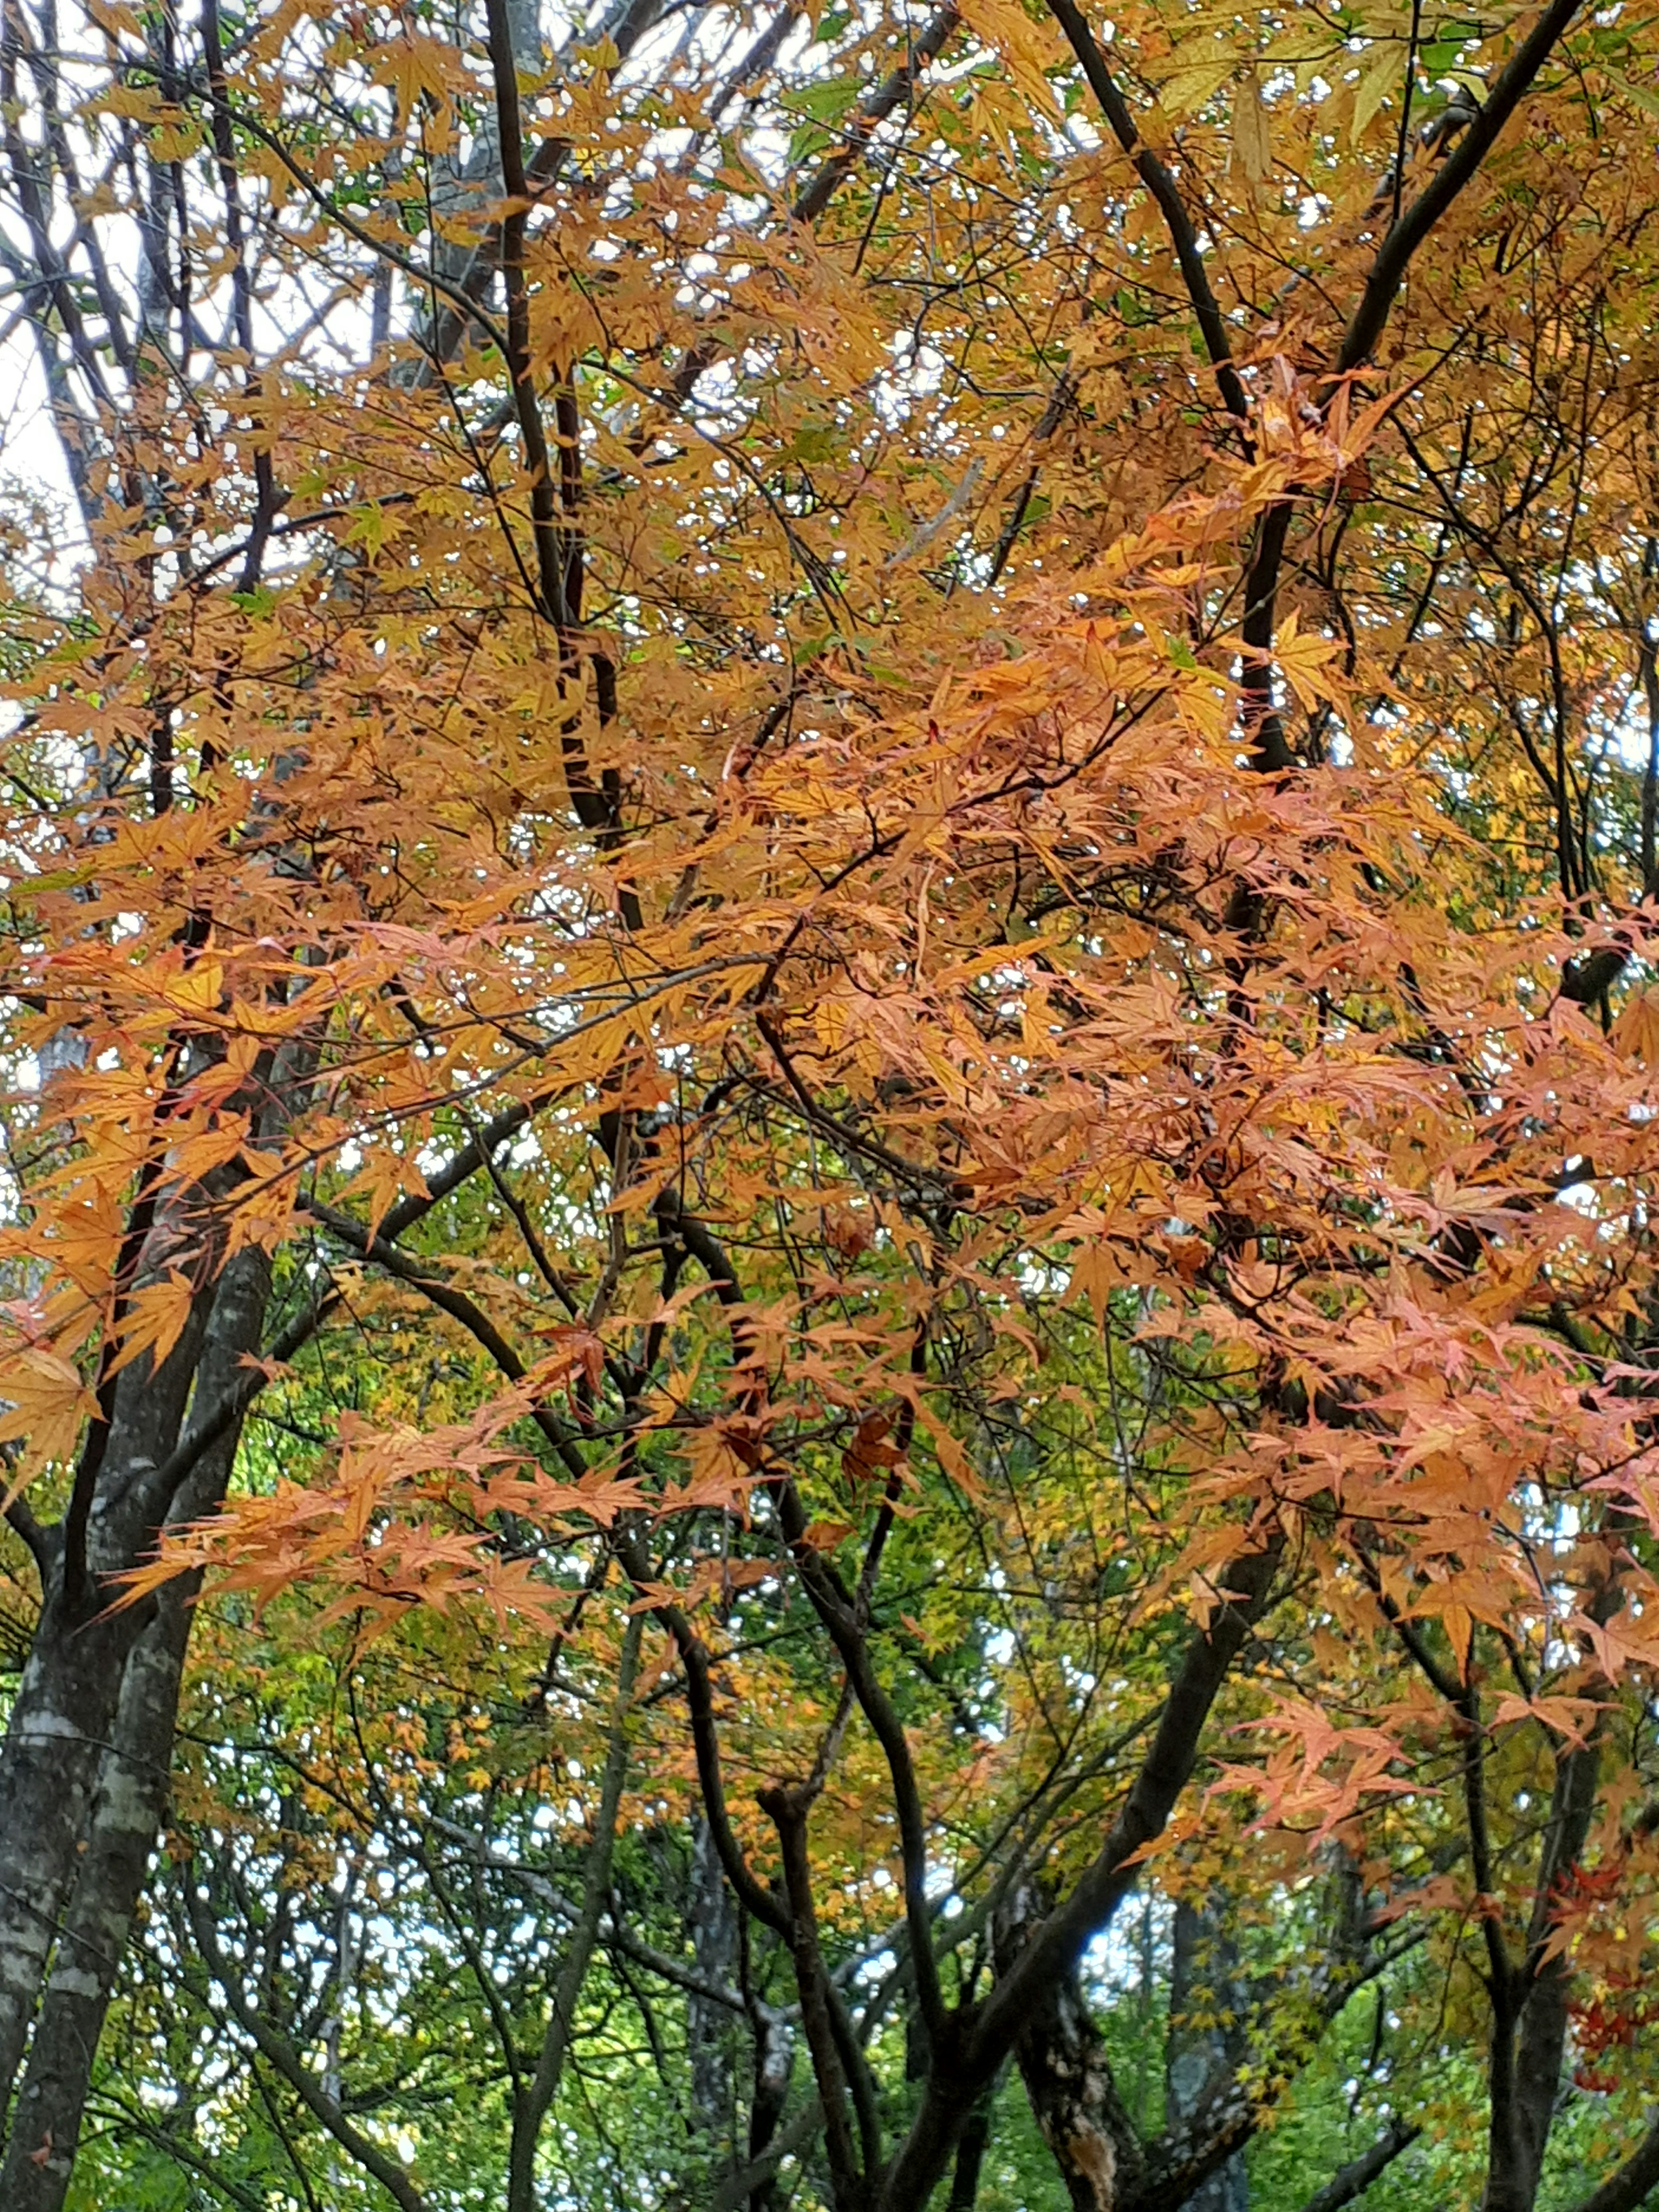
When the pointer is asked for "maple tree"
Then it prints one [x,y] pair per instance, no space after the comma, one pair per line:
[827,959]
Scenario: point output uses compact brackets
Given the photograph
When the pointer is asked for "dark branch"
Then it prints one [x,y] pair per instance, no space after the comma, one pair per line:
[1393,255]
[1167,194]
[1354,2179]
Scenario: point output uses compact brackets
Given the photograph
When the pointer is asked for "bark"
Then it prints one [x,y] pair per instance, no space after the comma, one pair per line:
[462,192]
[1184,2159]
[970,2053]
[89,1741]
[1213,2107]
[1630,2186]
[970,2156]
[462,195]
[1063,2064]
[83,1771]
[67,1700]
[775,2058]
[1201,2060]
[787,1806]
[1216,2096]
[755,2185]
[1541,2055]
[711,1911]
[126,1815]
[1529,2002]
[65,1709]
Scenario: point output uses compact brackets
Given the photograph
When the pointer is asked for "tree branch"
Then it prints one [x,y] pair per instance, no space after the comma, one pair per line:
[543,500]
[461,1308]
[873,108]
[530,2105]
[1354,2179]
[276,2047]
[1167,194]
[1394,256]
[978,2046]
[787,1809]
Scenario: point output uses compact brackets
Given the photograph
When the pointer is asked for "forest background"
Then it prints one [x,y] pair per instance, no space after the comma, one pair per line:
[828,1299]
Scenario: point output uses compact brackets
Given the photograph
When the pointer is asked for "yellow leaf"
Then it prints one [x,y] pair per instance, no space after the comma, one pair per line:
[199,989]
[1303,662]
[1016,38]
[154,1322]
[1373,87]
[48,1403]
[1187,89]
[386,1176]
[1251,147]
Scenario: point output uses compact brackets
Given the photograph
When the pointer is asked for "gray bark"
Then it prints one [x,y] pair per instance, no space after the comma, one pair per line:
[462,191]
[49,1766]
[713,1915]
[774,2060]
[85,1768]
[66,1703]
[1201,2060]
[126,1814]
[1062,2062]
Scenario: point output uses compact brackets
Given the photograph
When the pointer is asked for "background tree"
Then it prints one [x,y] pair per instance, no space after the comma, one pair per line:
[826,912]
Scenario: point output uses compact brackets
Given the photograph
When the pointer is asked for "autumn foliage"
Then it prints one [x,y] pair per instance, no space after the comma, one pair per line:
[829,1023]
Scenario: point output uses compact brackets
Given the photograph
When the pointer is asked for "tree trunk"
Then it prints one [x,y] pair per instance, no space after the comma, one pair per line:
[774,2059]
[83,1769]
[712,1914]
[49,1764]
[1529,2015]
[1062,2062]
[1200,2060]
[970,2155]
[126,1815]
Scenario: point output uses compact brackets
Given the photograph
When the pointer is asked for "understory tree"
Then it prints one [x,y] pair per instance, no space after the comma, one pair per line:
[830,1012]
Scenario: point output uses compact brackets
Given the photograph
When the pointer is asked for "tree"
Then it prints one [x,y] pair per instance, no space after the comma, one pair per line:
[826,902]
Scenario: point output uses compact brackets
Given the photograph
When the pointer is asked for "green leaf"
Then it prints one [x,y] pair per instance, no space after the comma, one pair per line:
[826,101]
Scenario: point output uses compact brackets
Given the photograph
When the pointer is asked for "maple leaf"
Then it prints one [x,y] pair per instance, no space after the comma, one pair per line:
[43,1404]
[837,953]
